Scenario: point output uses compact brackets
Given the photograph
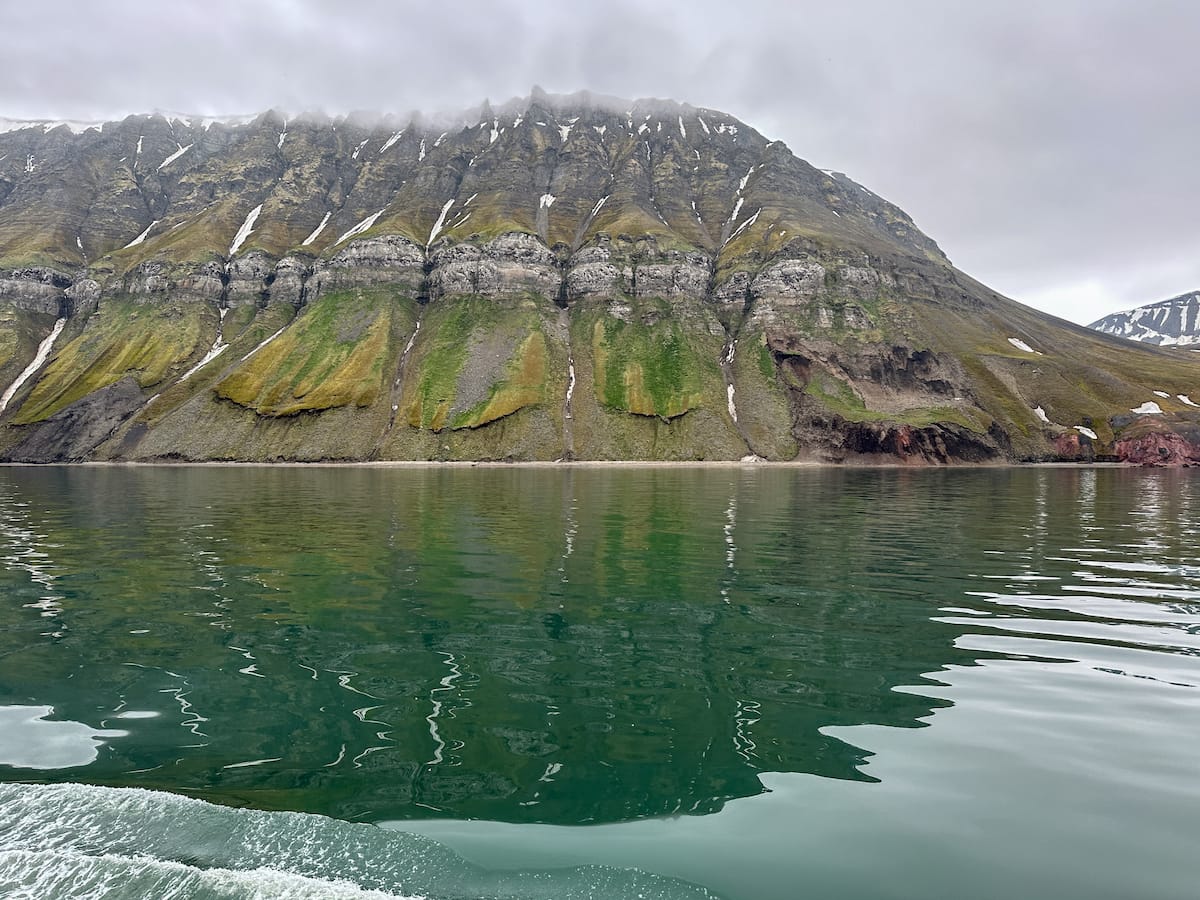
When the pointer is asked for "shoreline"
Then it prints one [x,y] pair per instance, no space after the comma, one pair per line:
[571,464]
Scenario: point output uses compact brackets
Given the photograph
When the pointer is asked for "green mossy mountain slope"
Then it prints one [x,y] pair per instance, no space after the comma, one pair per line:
[557,278]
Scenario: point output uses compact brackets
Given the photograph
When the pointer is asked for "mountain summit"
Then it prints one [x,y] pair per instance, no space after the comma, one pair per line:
[560,277]
[1174,322]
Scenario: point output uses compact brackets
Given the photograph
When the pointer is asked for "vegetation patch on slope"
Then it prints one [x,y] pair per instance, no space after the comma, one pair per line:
[333,355]
[523,384]
[123,338]
[646,369]
[476,361]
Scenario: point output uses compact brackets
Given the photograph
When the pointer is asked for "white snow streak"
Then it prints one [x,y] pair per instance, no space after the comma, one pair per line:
[1041,414]
[547,200]
[141,237]
[1020,345]
[750,221]
[358,149]
[390,141]
[412,340]
[564,132]
[729,400]
[570,385]
[421,152]
[360,227]
[1162,394]
[1149,408]
[494,136]
[263,344]
[600,129]
[599,205]
[138,152]
[1184,398]
[282,138]
[174,156]
[737,208]
[246,229]
[682,130]
[1086,432]
[39,358]
[316,231]
[441,220]
[219,346]
[704,125]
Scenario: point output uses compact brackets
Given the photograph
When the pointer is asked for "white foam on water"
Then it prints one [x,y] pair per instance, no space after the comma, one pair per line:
[70,841]
[114,877]
[39,358]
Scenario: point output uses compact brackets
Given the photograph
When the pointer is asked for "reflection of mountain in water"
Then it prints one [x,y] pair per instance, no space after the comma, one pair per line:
[526,645]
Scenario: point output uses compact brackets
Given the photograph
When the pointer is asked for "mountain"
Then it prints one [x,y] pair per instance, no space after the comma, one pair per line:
[1166,323]
[558,277]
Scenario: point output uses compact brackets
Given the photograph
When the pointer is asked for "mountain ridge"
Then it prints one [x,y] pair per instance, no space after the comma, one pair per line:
[1171,322]
[558,278]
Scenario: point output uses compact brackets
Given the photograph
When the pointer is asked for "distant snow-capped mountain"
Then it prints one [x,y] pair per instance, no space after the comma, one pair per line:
[1166,323]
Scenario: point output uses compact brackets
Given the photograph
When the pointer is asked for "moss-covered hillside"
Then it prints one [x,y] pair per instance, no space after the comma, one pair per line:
[558,278]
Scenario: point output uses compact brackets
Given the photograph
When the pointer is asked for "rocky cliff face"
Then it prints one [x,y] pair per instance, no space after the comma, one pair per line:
[557,278]
[1174,322]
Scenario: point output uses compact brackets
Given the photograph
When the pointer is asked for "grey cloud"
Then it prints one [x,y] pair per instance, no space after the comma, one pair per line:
[1048,147]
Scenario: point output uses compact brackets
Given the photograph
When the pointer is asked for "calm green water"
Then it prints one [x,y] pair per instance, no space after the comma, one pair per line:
[760,683]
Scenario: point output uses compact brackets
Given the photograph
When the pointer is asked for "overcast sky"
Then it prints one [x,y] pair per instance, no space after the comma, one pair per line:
[1051,148]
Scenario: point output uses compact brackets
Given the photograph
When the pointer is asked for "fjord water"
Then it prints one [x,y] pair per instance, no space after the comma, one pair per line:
[599,682]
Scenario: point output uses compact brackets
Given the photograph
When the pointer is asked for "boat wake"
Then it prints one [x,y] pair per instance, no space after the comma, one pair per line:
[77,841]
